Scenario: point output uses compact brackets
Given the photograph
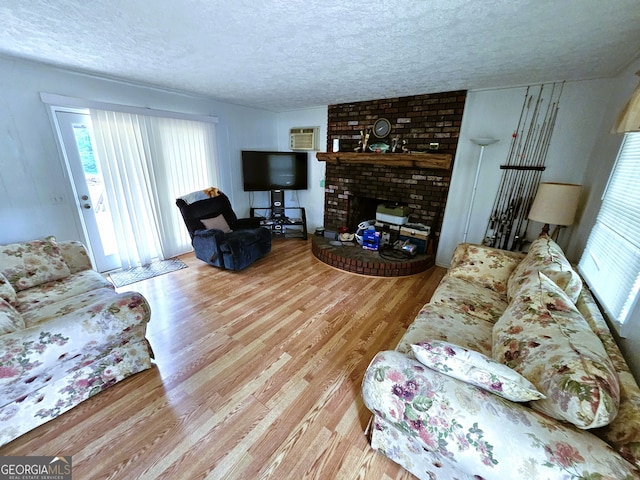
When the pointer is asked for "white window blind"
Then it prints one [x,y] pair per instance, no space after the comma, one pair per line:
[610,263]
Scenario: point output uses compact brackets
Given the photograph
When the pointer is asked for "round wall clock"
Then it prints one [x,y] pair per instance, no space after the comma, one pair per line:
[381,128]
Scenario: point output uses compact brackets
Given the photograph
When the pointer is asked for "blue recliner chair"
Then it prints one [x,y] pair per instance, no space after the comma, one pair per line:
[228,242]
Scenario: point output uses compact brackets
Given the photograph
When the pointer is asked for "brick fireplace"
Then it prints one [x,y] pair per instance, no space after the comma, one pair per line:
[424,191]
[421,120]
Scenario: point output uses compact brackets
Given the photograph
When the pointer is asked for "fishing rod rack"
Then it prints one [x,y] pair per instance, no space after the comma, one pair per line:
[508,223]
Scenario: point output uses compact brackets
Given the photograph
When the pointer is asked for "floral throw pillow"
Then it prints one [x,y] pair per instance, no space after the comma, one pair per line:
[7,291]
[544,337]
[476,369]
[487,266]
[10,319]
[547,257]
[28,264]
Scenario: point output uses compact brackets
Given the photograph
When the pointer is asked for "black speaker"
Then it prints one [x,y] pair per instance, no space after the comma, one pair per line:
[277,199]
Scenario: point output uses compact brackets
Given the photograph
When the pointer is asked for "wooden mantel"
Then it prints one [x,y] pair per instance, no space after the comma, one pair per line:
[441,161]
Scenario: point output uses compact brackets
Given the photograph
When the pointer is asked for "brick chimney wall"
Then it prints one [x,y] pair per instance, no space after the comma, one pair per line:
[420,120]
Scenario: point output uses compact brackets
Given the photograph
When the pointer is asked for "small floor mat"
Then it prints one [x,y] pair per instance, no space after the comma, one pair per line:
[132,275]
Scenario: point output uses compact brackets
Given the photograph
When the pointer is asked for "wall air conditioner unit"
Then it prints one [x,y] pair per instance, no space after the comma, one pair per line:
[303,138]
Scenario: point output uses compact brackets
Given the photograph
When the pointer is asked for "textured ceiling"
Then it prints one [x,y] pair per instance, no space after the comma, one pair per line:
[288,54]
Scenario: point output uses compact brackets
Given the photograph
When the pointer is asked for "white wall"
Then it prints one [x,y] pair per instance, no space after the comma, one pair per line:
[311,199]
[494,114]
[31,170]
[603,155]
[596,175]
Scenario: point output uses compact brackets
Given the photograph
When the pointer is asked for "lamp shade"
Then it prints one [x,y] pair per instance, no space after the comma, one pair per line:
[629,117]
[555,203]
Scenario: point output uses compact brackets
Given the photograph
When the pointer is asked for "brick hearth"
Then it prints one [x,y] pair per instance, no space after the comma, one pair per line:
[355,259]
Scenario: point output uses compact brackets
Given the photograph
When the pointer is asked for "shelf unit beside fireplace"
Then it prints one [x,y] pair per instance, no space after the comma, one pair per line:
[441,161]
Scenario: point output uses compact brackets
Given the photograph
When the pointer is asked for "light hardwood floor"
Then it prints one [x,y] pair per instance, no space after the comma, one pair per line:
[257,376]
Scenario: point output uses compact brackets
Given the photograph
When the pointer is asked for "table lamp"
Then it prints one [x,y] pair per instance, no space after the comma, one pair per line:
[555,204]
[629,117]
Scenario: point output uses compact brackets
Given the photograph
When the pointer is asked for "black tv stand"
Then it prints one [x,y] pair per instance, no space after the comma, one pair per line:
[277,204]
[277,220]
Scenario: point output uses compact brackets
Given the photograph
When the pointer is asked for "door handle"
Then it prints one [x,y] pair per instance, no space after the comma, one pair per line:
[84,197]
[86,205]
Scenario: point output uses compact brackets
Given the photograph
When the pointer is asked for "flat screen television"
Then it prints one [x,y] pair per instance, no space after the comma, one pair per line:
[264,171]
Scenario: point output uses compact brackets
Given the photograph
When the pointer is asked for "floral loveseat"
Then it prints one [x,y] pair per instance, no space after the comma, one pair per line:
[65,334]
[508,372]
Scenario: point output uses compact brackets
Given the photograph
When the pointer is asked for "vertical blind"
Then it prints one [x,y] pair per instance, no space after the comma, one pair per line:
[148,161]
[610,263]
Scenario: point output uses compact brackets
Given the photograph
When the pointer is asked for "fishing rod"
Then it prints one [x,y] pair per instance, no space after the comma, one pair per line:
[523,169]
[539,160]
[497,207]
[531,165]
[513,196]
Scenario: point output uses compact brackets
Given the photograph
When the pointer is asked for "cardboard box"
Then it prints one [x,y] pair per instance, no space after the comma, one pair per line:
[371,240]
[417,234]
[415,231]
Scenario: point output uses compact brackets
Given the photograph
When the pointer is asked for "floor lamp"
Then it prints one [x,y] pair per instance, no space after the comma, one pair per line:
[483,142]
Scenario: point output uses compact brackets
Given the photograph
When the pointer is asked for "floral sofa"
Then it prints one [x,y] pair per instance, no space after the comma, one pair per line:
[65,334]
[509,371]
